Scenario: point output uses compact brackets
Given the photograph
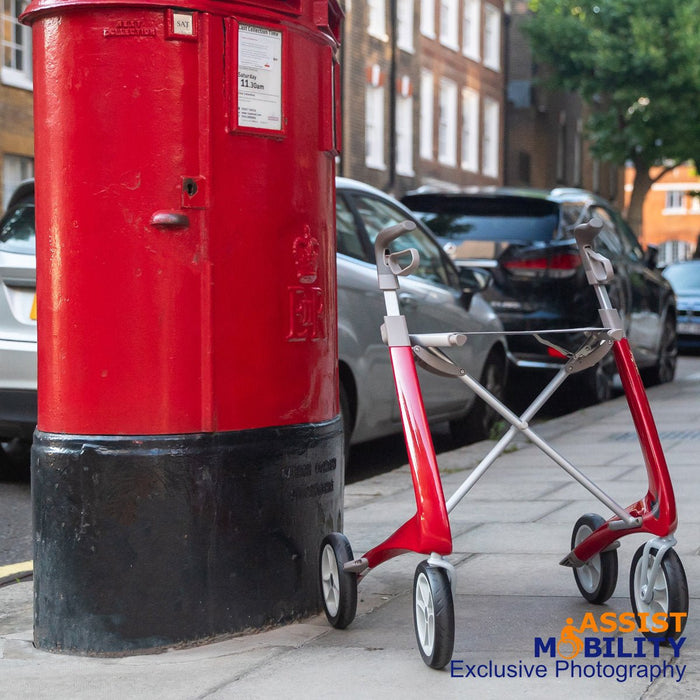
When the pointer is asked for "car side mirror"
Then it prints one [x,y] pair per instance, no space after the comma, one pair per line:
[651,257]
[473,280]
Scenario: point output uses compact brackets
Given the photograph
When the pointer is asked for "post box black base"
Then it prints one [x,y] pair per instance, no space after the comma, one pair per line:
[146,542]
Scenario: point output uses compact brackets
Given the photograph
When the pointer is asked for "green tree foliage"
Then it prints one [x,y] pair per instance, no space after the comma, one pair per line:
[636,64]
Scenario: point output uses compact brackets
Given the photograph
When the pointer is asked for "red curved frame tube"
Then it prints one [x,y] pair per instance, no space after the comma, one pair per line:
[658,508]
[428,530]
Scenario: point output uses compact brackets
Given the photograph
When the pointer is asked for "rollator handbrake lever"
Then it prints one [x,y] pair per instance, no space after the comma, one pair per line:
[388,263]
[599,269]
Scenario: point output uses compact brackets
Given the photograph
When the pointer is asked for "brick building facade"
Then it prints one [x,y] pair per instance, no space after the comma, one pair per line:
[423,93]
[671,213]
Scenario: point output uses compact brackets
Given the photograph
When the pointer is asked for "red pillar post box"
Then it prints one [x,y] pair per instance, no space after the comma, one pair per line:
[188,453]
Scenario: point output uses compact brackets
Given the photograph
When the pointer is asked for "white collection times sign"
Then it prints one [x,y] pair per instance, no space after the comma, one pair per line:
[259,77]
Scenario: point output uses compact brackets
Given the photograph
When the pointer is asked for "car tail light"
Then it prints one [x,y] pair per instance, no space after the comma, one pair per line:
[559,265]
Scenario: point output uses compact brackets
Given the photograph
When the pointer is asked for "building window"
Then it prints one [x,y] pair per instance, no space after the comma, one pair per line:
[447,124]
[492,126]
[426,115]
[470,130]
[16,46]
[374,127]
[674,202]
[404,135]
[427,18]
[471,29]
[14,170]
[492,37]
[404,29]
[377,19]
[449,23]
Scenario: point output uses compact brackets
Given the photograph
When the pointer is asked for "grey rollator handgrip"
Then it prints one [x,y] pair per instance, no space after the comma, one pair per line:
[388,265]
[599,269]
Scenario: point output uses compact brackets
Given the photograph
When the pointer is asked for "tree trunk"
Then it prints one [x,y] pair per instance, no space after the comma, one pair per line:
[640,188]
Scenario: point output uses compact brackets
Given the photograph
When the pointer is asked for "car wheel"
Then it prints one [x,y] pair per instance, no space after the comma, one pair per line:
[479,422]
[4,464]
[595,384]
[15,460]
[665,368]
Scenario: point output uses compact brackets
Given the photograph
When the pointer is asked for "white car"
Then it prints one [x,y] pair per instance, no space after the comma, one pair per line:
[18,319]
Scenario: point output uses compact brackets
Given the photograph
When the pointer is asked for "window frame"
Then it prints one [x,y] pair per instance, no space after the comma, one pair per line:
[18,47]
[353,198]
[471,29]
[426,141]
[374,127]
[404,25]
[492,37]
[427,18]
[470,130]
[447,122]
[376,19]
[404,135]
[490,139]
[449,24]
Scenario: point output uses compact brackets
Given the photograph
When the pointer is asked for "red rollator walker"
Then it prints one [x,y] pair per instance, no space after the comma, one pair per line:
[657,579]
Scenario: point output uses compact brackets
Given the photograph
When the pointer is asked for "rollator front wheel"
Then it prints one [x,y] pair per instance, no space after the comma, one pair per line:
[433,615]
[597,578]
[338,587]
[669,595]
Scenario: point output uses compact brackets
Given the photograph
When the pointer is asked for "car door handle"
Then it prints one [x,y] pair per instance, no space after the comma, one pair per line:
[408,301]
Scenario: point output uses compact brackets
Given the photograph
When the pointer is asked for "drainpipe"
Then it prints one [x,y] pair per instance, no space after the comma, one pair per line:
[393,17]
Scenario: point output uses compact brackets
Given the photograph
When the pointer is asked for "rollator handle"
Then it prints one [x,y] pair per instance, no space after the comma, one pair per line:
[599,269]
[388,263]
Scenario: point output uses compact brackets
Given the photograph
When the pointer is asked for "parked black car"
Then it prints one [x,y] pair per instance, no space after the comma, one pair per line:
[525,238]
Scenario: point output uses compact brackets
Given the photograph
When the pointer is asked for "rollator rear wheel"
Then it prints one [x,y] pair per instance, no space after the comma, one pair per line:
[597,578]
[670,595]
[338,587]
[433,615]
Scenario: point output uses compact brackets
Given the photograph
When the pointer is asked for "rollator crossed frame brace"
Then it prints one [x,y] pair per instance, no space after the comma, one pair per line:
[657,579]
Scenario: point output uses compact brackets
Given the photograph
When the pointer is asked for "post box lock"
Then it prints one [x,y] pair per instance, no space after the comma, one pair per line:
[194,192]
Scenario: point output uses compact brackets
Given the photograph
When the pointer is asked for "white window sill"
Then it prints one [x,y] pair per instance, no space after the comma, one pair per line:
[676,211]
[449,44]
[16,78]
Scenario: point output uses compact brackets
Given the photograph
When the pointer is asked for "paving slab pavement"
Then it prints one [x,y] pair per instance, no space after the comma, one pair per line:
[509,535]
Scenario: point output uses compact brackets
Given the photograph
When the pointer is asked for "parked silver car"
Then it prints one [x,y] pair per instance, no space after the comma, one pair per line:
[434,299]
[18,318]
[437,297]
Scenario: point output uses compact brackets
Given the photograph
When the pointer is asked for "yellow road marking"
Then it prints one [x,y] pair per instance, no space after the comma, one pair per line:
[25,567]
